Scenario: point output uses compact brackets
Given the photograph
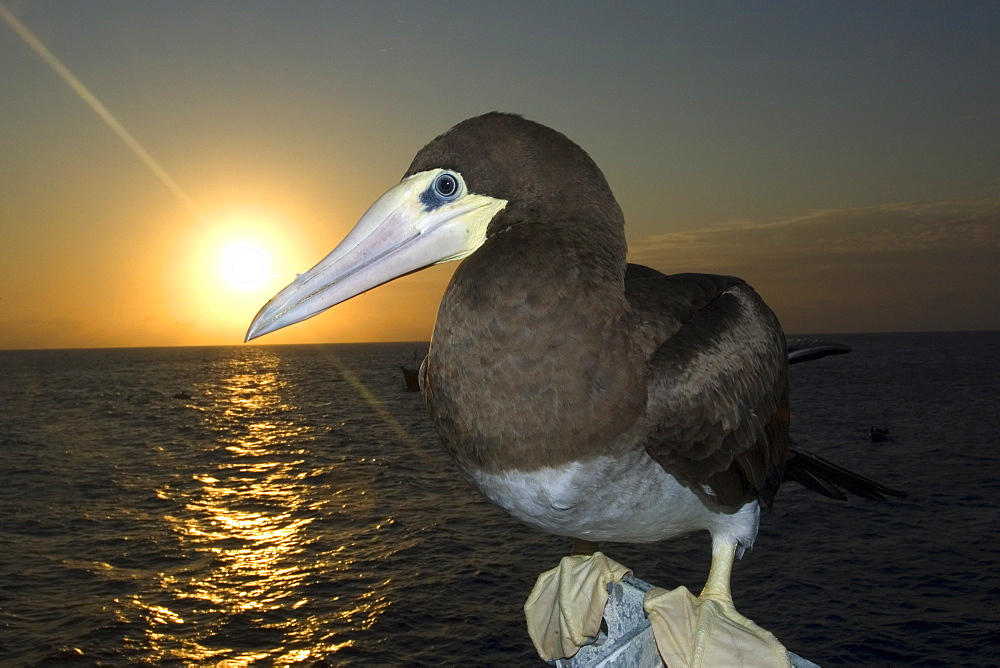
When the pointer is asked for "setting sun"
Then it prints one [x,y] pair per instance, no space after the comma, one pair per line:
[230,263]
[245,265]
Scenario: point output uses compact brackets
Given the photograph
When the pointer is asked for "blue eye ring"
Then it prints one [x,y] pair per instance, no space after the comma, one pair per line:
[447,186]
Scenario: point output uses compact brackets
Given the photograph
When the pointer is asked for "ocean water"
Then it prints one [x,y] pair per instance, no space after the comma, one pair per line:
[291,505]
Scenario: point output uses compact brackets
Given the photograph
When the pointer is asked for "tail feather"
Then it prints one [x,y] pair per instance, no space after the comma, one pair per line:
[828,479]
[805,350]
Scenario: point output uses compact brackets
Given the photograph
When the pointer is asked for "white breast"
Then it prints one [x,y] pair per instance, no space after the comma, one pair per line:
[621,499]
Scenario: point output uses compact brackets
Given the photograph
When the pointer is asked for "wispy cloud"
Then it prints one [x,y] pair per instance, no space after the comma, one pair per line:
[879,267]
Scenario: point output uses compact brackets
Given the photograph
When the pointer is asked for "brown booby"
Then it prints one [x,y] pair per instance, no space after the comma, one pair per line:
[587,397]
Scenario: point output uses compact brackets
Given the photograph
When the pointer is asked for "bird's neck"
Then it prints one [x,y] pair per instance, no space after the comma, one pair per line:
[538,322]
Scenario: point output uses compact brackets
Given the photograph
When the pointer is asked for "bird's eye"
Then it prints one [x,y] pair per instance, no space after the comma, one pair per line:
[446,186]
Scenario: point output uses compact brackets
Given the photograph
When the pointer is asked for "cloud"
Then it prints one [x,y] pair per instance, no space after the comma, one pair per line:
[896,229]
[904,266]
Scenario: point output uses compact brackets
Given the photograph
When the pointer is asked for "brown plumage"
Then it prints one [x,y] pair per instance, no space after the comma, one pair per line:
[586,396]
[548,348]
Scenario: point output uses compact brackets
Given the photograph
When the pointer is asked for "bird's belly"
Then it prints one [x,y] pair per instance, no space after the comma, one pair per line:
[621,499]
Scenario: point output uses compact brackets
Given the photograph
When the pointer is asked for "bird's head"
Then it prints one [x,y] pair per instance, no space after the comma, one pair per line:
[481,177]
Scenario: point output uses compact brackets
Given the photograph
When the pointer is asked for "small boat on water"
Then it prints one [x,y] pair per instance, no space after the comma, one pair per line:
[878,434]
[411,374]
[412,378]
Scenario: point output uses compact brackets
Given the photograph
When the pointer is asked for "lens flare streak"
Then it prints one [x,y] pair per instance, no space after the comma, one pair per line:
[133,144]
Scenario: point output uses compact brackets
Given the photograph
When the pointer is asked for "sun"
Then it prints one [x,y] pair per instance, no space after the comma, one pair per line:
[245,265]
[221,270]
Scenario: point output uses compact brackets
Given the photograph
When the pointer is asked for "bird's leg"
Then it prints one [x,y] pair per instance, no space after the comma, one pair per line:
[717,586]
[717,601]
[584,547]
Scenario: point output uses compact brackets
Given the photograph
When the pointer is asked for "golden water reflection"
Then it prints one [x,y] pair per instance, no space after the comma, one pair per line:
[249,516]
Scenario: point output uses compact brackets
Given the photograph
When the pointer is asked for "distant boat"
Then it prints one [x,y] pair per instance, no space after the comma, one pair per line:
[412,378]
[878,434]
[411,374]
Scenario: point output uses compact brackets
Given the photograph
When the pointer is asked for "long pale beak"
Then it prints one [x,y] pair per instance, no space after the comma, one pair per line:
[400,233]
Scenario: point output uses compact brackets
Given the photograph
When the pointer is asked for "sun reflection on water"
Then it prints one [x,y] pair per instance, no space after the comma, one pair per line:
[252,517]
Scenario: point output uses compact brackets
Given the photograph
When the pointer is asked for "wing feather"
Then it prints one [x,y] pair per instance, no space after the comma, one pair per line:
[718,388]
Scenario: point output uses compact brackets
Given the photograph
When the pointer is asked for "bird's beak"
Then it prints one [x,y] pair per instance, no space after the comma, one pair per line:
[399,234]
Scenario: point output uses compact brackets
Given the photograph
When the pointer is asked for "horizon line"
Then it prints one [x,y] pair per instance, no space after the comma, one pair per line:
[426,342]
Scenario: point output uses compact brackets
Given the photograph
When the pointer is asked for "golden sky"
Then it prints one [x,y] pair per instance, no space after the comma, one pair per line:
[167,167]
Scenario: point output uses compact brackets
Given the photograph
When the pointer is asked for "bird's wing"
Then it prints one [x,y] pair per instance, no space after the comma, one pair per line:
[717,390]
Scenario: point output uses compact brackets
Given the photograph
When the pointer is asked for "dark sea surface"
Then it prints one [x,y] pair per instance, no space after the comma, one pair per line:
[291,504]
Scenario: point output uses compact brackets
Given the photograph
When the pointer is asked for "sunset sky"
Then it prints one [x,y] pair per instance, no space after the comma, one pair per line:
[843,157]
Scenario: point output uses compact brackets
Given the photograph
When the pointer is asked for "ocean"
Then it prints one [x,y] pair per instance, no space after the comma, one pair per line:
[292,505]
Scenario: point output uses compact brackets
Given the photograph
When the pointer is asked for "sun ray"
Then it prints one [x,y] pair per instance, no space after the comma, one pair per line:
[95,104]
[365,393]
